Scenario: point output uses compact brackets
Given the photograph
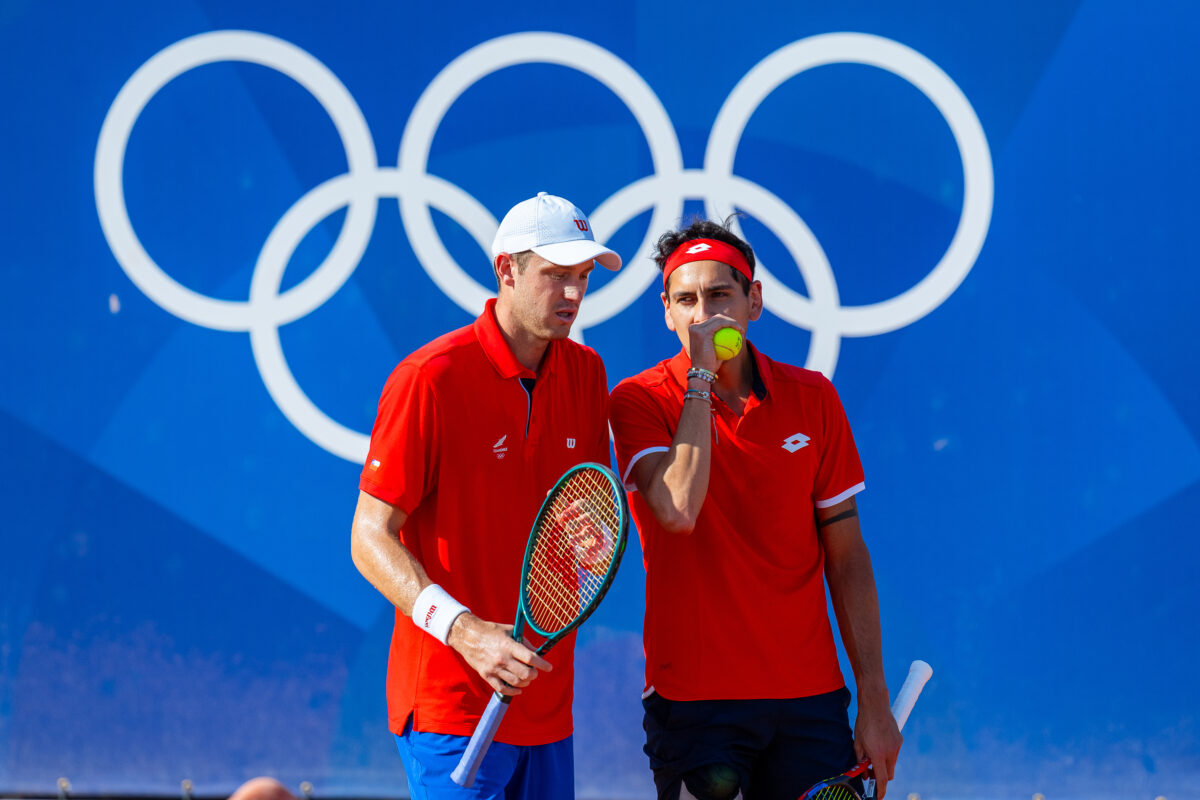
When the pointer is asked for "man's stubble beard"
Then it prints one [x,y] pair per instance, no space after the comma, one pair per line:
[533,321]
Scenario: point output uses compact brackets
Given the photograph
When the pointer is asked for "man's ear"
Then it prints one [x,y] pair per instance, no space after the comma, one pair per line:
[755,300]
[667,312]
[504,267]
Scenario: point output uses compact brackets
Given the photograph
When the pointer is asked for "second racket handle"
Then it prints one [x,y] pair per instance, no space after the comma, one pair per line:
[481,740]
[918,674]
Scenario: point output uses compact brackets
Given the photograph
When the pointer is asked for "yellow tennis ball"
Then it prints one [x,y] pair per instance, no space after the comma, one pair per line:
[727,342]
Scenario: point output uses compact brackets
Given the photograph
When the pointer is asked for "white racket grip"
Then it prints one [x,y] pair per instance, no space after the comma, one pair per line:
[918,674]
[481,740]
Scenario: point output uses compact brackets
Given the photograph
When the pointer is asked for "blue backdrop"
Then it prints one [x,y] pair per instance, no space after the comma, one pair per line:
[973,217]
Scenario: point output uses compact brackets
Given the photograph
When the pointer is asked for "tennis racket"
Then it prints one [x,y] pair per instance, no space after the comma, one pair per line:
[570,561]
[839,787]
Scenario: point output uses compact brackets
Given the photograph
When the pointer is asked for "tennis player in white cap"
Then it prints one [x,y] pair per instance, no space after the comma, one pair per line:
[473,429]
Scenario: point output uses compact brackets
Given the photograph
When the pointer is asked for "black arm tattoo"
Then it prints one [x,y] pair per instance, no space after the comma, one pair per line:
[847,514]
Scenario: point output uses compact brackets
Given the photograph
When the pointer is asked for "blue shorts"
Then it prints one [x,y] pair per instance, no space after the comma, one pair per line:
[508,771]
[777,748]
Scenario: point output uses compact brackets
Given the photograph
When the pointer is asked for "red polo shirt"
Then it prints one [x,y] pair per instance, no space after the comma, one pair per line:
[469,455]
[736,609]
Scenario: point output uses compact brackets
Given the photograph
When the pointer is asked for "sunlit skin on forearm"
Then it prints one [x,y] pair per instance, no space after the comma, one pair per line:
[856,605]
[488,647]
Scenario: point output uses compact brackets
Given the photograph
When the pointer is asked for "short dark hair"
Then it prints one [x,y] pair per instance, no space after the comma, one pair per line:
[521,259]
[700,228]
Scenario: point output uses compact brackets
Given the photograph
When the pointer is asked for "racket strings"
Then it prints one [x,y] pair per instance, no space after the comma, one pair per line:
[839,788]
[573,550]
[839,791]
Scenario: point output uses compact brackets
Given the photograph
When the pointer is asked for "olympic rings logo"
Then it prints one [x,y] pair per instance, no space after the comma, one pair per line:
[365,182]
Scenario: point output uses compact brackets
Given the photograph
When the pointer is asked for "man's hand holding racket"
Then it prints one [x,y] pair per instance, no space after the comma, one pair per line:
[488,647]
[571,559]
[877,737]
[874,774]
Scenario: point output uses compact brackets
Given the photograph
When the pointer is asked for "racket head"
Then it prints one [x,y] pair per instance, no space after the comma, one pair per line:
[574,550]
[846,786]
[833,789]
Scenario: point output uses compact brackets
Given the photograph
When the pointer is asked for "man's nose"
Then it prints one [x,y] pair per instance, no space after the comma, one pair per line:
[573,292]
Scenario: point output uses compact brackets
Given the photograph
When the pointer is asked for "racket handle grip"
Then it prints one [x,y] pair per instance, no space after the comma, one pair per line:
[918,674]
[481,740]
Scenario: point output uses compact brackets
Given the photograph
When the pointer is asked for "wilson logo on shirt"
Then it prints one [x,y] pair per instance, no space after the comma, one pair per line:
[498,448]
[795,442]
[570,443]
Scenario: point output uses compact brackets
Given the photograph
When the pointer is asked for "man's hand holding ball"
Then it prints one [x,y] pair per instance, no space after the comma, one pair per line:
[727,343]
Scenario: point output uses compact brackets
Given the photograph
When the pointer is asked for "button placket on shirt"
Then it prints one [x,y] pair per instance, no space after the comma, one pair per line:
[531,440]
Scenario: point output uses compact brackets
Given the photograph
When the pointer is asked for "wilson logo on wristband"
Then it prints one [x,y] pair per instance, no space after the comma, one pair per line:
[434,611]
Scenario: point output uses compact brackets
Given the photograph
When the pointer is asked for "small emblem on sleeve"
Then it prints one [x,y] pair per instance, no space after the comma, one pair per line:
[374,465]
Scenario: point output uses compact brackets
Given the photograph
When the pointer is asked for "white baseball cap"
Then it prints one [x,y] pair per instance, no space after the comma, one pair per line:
[555,229]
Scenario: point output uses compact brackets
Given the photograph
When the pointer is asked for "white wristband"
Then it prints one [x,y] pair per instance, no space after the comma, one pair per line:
[435,611]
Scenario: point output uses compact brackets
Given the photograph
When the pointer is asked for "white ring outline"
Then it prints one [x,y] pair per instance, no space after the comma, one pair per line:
[316,205]
[861,48]
[161,69]
[529,48]
[365,183]
[796,236]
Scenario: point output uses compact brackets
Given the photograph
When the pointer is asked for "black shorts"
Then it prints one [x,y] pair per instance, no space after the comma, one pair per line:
[778,748]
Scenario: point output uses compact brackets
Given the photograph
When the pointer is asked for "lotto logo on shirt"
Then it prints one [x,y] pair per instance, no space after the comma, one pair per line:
[795,442]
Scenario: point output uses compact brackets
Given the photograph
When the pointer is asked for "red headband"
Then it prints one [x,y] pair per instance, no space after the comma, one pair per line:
[706,250]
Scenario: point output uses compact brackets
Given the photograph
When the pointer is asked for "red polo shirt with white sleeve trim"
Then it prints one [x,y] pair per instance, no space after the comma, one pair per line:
[736,609]
[469,453]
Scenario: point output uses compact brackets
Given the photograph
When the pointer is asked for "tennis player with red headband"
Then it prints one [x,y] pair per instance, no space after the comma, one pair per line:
[743,475]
